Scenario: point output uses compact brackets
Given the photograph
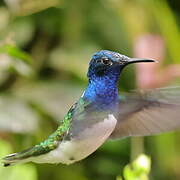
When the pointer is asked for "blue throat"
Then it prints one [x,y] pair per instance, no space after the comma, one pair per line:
[103,91]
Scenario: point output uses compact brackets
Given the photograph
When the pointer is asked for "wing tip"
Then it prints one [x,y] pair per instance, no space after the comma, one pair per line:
[9,160]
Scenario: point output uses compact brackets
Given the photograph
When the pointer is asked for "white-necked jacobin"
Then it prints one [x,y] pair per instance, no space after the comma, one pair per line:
[101,114]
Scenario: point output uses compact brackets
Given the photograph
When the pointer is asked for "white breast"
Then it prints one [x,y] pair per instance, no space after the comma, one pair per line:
[86,143]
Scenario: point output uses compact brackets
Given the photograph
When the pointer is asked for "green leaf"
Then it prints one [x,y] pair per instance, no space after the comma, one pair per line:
[16,61]
[15,52]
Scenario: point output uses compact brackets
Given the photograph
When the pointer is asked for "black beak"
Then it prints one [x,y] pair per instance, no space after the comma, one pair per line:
[138,60]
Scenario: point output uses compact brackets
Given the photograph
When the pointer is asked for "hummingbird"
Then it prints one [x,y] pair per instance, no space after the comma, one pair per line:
[101,114]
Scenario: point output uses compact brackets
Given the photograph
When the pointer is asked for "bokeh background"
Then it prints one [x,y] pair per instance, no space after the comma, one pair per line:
[45,47]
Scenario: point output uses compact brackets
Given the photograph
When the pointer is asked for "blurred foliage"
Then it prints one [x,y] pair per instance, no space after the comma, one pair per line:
[139,169]
[15,53]
[45,47]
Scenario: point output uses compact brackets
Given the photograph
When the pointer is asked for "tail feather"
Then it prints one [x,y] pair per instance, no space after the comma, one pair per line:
[17,158]
[29,154]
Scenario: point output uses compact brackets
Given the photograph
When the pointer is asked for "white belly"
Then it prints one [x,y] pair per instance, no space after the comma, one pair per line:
[86,143]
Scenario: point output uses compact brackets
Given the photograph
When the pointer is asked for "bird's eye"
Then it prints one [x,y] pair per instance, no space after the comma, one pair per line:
[106,61]
[98,61]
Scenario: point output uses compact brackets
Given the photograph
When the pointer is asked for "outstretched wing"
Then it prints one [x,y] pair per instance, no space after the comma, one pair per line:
[148,113]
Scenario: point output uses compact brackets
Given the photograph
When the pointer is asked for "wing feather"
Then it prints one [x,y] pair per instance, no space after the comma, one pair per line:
[148,113]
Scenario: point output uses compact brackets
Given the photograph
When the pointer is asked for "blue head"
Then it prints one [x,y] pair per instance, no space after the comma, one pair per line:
[104,70]
[106,65]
